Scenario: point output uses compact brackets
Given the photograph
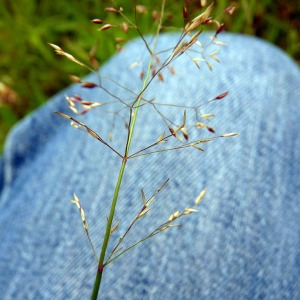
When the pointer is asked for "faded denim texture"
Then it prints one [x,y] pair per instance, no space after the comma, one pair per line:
[244,241]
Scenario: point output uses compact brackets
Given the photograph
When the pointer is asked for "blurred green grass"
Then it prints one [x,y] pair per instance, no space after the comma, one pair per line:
[31,72]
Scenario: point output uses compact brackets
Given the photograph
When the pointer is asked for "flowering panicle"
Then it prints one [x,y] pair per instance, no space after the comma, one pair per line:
[179,134]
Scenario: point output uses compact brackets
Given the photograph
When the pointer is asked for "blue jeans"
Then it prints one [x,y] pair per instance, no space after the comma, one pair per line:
[244,241]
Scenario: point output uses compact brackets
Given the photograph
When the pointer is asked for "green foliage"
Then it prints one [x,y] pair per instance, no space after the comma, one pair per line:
[31,69]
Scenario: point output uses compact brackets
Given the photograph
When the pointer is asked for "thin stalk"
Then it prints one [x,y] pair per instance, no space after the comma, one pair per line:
[101,264]
[137,103]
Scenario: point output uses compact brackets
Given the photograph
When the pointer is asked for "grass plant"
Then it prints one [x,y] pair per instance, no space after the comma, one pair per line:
[178,136]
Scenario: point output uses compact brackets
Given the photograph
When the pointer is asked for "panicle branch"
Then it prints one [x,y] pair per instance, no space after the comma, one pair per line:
[84,222]
[117,252]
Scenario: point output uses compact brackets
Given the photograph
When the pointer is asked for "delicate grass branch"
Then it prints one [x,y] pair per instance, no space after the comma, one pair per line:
[179,133]
[101,264]
[166,225]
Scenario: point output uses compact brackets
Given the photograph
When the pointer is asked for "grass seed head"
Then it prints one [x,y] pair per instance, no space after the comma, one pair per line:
[97,21]
[229,10]
[209,65]
[184,132]
[188,211]
[200,197]
[210,129]
[200,125]
[55,47]
[221,96]
[92,133]
[171,69]
[75,79]
[229,134]
[180,48]
[62,115]
[173,132]
[141,9]
[143,197]
[160,77]
[143,212]
[105,27]
[89,85]
[199,20]
[125,27]
[174,216]
[203,3]
[111,10]
[207,116]
[114,228]
[185,14]
[74,109]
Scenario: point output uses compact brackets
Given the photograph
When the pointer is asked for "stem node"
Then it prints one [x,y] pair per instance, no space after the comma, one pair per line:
[101,268]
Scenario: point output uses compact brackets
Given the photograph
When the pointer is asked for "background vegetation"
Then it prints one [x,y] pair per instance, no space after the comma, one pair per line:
[31,72]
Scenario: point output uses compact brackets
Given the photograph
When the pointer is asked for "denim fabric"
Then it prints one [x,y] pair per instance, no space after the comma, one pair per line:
[244,241]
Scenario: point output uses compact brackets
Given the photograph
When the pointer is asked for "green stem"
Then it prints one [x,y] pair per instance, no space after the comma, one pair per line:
[107,233]
[137,103]
[101,264]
